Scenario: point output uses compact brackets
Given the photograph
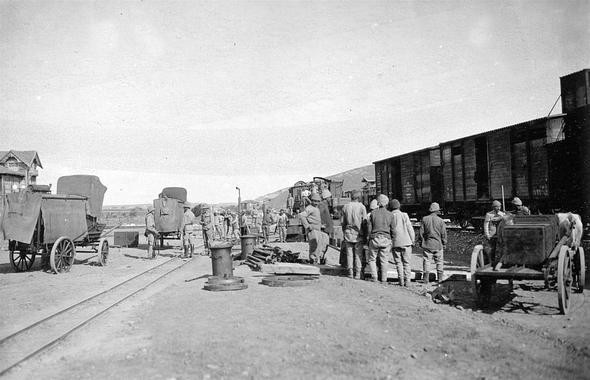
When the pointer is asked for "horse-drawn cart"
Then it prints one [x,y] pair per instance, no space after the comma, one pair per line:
[531,248]
[38,223]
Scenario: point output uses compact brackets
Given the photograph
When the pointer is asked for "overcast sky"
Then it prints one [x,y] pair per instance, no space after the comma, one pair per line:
[261,94]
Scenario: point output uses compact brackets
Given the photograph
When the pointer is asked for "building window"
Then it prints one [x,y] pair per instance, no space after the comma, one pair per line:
[12,164]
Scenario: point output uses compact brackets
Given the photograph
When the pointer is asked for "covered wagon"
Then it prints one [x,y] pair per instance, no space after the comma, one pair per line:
[38,223]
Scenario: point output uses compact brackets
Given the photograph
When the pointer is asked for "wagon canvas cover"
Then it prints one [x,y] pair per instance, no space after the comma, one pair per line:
[85,185]
[64,216]
[20,216]
[168,215]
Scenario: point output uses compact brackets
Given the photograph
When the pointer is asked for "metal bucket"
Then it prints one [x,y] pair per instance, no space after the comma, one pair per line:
[248,243]
[221,260]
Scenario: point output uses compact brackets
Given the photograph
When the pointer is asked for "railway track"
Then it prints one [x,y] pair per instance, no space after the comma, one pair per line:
[32,340]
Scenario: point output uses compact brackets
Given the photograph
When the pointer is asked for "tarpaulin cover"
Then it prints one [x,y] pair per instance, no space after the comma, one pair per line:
[20,216]
[168,214]
[64,216]
[174,192]
[85,185]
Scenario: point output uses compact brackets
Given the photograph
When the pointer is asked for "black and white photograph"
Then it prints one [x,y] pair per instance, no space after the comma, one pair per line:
[294,189]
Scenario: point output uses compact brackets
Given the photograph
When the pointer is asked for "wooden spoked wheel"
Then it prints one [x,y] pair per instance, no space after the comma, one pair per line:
[103,252]
[579,270]
[21,261]
[564,279]
[62,255]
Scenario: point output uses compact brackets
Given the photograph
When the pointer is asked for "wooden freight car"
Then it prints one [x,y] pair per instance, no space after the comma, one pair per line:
[545,162]
[465,175]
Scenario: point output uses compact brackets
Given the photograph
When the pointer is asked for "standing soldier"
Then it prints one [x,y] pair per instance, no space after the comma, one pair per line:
[353,216]
[433,234]
[235,227]
[379,230]
[520,209]
[218,223]
[150,232]
[318,240]
[326,216]
[490,229]
[206,227]
[402,241]
[282,226]
[267,221]
[245,229]
[187,231]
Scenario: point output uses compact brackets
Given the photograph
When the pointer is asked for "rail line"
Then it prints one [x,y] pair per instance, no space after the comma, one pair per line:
[31,340]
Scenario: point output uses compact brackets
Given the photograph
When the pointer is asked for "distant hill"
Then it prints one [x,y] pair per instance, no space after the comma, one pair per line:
[352,180]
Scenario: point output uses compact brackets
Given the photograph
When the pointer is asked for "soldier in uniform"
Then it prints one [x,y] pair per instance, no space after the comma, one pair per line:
[433,234]
[282,226]
[206,227]
[520,209]
[354,214]
[311,220]
[150,232]
[187,231]
[490,229]
[267,221]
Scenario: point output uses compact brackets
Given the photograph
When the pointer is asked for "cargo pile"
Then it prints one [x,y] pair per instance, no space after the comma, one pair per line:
[271,255]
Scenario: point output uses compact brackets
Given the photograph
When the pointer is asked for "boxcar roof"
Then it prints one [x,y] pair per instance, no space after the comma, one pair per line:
[523,124]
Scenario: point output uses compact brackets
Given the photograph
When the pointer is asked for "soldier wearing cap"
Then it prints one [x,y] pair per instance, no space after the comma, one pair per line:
[244,229]
[520,209]
[150,232]
[206,227]
[312,222]
[354,214]
[282,221]
[402,241]
[490,228]
[433,235]
[380,230]
[326,216]
[267,221]
[188,240]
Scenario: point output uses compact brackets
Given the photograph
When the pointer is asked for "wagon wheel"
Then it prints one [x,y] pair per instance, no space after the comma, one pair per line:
[580,270]
[62,255]
[103,252]
[21,261]
[477,262]
[564,279]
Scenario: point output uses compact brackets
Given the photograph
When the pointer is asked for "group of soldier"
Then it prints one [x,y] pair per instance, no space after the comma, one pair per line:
[386,230]
[368,237]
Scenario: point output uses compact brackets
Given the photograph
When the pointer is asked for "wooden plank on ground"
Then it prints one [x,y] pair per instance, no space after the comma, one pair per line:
[289,268]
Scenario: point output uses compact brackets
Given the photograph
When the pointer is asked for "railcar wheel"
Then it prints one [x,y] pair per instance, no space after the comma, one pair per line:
[62,255]
[564,279]
[103,252]
[580,270]
[21,261]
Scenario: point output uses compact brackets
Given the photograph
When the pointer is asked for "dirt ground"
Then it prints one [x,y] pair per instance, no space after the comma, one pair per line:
[337,328]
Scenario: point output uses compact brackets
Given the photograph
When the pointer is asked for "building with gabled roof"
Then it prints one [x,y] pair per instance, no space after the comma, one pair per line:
[18,169]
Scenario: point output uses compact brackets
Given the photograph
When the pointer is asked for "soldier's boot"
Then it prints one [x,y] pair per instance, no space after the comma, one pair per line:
[426,277]
[373,267]
[439,276]
[350,273]
[383,275]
